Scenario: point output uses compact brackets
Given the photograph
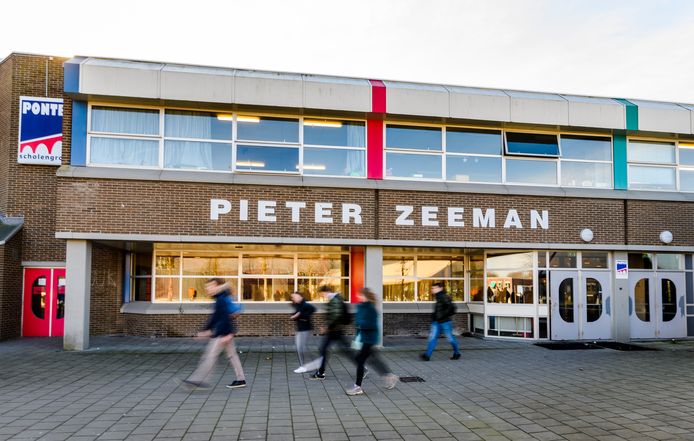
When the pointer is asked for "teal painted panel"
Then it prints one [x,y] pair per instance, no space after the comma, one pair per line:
[619,161]
[632,111]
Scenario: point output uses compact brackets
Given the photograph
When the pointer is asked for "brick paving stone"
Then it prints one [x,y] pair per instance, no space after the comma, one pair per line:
[128,389]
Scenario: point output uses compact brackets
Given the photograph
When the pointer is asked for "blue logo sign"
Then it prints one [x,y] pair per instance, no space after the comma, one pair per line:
[40,130]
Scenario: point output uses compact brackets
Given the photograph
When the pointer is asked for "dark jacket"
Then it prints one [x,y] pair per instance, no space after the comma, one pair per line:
[367,322]
[443,309]
[220,322]
[334,313]
[305,310]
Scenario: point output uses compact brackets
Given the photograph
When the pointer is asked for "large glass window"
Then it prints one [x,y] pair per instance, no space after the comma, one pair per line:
[651,165]
[686,162]
[267,158]
[340,148]
[536,172]
[586,161]
[531,144]
[413,137]
[184,132]
[409,165]
[473,155]
[409,274]
[510,277]
[267,129]
[405,165]
[254,274]
[124,151]
[124,120]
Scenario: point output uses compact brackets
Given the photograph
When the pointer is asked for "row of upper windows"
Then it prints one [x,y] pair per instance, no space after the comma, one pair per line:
[195,140]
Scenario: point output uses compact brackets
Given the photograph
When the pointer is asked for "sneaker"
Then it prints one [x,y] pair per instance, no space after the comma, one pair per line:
[317,376]
[300,370]
[236,384]
[424,357]
[356,390]
[455,356]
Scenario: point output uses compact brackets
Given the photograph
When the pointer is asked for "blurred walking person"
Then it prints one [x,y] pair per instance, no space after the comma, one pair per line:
[304,324]
[221,327]
[441,321]
[367,325]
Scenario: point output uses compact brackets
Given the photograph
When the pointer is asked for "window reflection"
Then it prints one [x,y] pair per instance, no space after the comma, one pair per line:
[256,128]
[590,148]
[562,259]
[532,144]
[651,178]
[485,142]
[405,165]
[566,300]
[336,162]
[473,168]
[669,299]
[593,299]
[642,300]
[413,137]
[267,158]
[640,261]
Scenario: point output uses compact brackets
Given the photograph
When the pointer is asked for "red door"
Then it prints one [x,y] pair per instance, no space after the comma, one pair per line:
[44,300]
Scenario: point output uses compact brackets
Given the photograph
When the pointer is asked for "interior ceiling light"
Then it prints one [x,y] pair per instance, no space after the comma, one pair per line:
[250,163]
[225,117]
[248,119]
[313,167]
[322,123]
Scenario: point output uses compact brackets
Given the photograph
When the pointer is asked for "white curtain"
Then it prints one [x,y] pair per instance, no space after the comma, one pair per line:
[123,151]
[187,154]
[132,121]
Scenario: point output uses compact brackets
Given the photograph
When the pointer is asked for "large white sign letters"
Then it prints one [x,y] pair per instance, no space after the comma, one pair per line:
[406,215]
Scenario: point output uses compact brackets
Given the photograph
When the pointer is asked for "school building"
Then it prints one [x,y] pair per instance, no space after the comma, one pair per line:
[124,185]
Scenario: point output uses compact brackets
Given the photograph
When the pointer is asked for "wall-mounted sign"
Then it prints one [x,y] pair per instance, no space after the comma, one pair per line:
[621,269]
[407,215]
[40,130]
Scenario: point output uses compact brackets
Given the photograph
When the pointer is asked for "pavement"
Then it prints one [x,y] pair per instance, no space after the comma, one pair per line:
[128,388]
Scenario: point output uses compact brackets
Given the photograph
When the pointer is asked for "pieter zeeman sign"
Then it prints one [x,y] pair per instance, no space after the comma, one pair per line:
[407,215]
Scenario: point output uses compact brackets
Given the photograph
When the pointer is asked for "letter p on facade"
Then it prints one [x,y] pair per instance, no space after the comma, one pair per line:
[219,206]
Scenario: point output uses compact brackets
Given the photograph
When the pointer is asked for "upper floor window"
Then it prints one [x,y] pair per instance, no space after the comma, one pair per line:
[197,140]
[413,152]
[652,165]
[686,161]
[586,161]
[473,155]
[532,144]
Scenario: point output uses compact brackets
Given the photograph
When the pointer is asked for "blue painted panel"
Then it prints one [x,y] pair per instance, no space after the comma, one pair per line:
[71,72]
[619,149]
[78,145]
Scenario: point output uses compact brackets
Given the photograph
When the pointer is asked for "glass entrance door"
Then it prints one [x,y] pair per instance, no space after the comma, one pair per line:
[670,309]
[564,296]
[44,300]
[581,305]
[596,304]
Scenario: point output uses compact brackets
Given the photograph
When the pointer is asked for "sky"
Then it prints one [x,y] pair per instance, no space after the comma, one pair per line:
[614,48]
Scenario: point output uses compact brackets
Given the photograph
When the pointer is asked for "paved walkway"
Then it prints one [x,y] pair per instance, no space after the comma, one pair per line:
[126,388]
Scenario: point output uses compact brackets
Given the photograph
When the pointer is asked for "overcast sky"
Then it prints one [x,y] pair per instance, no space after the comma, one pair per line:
[616,48]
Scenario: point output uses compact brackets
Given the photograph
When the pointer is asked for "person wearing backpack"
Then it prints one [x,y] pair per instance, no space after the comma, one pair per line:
[221,328]
[441,321]
[337,316]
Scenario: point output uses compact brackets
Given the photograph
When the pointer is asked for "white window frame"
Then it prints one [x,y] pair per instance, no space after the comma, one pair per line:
[473,155]
[396,150]
[609,162]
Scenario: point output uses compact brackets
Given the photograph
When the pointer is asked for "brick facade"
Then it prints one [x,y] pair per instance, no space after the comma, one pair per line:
[11,288]
[29,191]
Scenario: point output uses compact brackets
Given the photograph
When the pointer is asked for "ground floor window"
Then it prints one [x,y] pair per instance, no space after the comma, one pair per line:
[255,273]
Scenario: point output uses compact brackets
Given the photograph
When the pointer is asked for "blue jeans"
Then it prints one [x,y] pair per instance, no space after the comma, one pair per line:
[436,328]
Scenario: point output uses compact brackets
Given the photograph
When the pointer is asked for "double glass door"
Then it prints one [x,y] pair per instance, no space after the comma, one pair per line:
[580,305]
[44,302]
[656,304]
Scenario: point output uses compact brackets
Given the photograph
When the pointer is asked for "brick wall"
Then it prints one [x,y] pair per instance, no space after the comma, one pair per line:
[29,190]
[11,288]
[106,291]
[646,219]
[186,325]
[117,206]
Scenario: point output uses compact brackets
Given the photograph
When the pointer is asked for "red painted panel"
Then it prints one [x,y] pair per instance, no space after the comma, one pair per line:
[58,302]
[37,302]
[374,149]
[378,96]
[356,272]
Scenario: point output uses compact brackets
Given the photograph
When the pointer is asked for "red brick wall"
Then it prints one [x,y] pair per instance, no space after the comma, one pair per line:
[646,219]
[11,288]
[29,190]
[106,291]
